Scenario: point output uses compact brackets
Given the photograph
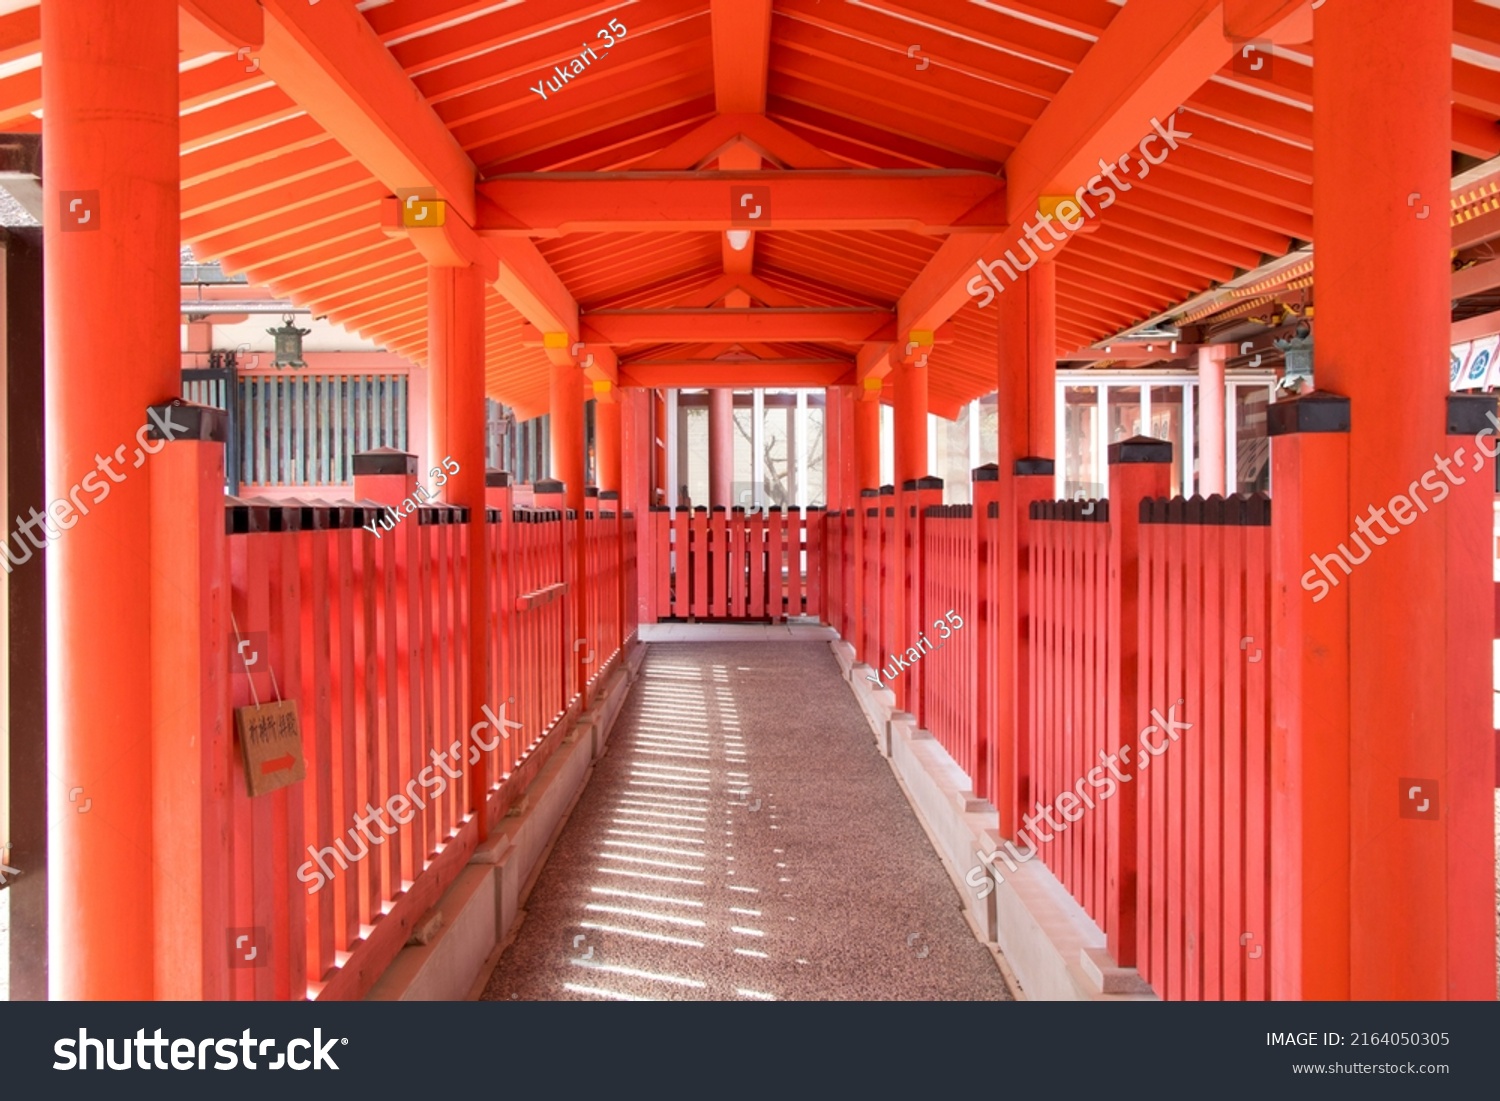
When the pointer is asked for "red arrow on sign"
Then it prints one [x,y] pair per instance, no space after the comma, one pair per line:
[277,765]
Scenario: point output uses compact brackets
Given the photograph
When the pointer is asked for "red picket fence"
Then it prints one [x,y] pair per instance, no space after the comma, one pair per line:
[369,635]
[877,525]
[950,623]
[1204,812]
[838,560]
[1069,550]
[726,565]
[531,658]
[1125,624]
[1196,748]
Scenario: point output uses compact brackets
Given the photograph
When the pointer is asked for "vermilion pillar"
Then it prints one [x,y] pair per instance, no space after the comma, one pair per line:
[1028,352]
[720,448]
[1211,473]
[1380,212]
[637,461]
[109,92]
[607,436]
[839,431]
[910,403]
[835,448]
[1026,400]
[867,439]
[456,414]
[566,415]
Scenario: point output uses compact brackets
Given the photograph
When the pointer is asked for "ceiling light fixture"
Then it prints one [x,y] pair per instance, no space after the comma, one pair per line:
[738,238]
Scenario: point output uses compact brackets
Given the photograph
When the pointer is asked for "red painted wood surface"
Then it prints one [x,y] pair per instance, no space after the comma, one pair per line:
[948,646]
[1200,850]
[368,635]
[1069,553]
[1204,846]
[872,542]
[727,565]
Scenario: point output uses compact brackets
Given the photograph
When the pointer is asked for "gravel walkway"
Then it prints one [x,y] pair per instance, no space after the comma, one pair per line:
[743,839]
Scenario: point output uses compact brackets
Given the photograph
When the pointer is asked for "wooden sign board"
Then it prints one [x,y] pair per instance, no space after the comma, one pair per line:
[271,739]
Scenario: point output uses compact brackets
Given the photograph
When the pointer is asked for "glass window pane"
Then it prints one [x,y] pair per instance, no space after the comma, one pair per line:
[1166,424]
[694,461]
[953,456]
[775,446]
[1124,404]
[1197,462]
[989,430]
[816,475]
[1252,458]
[887,446]
[744,443]
[1080,442]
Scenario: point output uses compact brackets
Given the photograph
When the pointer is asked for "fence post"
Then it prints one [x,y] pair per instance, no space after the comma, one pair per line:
[916,497]
[499,501]
[1309,937]
[1139,468]
[1471,631]
[610,498]
[863,600]
[193,741]
[551,495]
[985,577]
[887,522]
[385,476]
[1032,480]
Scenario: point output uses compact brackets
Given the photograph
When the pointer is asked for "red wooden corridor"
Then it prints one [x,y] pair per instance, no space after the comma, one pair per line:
[881,214]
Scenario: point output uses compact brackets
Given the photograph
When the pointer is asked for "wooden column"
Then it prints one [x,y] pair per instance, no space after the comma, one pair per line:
[720,448]
[455,339]
[1384,70]
[1138,468]
[110,145]
[566,417]
[607,436]
[1309,939]
[1211,437]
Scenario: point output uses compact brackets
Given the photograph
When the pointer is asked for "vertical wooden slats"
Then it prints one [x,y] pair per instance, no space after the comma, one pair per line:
[1199,767]
[304,429]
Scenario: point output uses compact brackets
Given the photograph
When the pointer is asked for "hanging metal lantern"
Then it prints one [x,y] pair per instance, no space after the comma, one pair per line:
[288,343]
[1298,355]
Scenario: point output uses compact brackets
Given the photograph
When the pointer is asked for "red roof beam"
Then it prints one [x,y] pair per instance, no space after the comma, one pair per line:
[930,201]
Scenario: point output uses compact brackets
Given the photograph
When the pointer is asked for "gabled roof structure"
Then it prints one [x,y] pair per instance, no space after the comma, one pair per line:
[301,121]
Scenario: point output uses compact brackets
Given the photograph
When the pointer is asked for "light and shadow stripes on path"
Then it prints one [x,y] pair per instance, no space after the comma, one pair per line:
[743,839]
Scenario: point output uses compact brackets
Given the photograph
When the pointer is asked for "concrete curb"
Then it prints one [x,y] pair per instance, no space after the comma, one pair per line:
[1055,950]
[479,911]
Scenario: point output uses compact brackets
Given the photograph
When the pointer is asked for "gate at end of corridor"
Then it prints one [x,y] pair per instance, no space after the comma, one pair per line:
[727,564]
